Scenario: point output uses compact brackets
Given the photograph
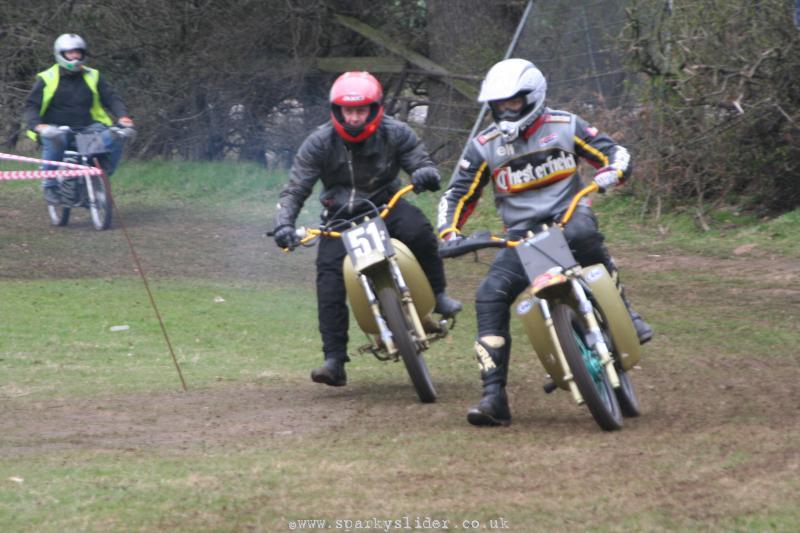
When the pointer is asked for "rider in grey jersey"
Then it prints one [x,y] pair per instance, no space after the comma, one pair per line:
[530,156]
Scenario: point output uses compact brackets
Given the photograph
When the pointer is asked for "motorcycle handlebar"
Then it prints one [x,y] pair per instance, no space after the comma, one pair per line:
[114,128]
[472,243]
[307,235]
[123,132]
[592,187]
[485,239]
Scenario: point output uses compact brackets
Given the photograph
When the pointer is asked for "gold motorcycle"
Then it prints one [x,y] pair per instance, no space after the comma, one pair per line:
[574,317]
[388,292]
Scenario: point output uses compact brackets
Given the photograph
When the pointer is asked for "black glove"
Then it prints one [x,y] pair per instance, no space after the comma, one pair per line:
[425,179]
[286,236]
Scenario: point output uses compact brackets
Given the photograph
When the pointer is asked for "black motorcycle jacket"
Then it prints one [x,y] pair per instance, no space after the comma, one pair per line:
[534,177]
[349,170]
[71,104]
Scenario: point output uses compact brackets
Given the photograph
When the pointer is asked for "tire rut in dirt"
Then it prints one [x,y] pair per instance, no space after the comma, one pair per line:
[412,358]
[599,396]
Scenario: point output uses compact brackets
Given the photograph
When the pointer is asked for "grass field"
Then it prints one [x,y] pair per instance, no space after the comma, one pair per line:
[98,435]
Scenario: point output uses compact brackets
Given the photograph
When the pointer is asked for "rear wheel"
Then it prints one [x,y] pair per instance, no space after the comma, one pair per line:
[587,370]
[100,209]
[59,214]
[399,325]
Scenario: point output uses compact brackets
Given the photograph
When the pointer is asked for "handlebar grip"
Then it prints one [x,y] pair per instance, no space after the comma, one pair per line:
[449,250]
[465,245]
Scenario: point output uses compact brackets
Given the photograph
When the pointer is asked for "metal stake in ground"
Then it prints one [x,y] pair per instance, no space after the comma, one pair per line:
[74,170]
[140,269]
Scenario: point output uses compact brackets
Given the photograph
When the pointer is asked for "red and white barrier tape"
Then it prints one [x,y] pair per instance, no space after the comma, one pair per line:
[8,175]
[72,172]
[82,170]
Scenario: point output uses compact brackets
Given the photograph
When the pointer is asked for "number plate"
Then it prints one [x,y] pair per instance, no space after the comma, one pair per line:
[544,251]
[368,243]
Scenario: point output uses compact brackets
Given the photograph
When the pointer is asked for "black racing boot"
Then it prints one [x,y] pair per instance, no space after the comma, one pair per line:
[643,330]
[446,306]
[493,354]
[493,409]
[330,373]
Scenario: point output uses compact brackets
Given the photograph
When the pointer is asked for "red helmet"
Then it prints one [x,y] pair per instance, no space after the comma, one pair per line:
[354,89]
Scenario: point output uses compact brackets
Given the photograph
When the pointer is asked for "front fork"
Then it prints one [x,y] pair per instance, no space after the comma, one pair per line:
[405,301]
[408,303]
[383,329]
[562,360]
[595,336]
[594,340]
[90,191]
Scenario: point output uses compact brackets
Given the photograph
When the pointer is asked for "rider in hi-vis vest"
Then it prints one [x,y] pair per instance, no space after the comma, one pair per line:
[530,156]
[74,95]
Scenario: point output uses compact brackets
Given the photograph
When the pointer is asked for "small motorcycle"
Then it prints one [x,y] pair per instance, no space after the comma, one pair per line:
[387,290]
[574,318]
[92,192]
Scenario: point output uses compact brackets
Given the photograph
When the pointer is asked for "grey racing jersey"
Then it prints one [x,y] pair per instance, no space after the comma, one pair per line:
[535,177]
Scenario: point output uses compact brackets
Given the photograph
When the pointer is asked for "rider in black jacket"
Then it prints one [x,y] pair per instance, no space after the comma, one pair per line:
[359,154]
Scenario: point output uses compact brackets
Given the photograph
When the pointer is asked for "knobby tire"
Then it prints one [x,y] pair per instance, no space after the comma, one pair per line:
[626,396]
[399,325]
[599,397]
[101,211]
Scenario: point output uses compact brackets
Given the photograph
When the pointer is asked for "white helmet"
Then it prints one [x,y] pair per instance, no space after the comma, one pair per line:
[510,78]
[66,42]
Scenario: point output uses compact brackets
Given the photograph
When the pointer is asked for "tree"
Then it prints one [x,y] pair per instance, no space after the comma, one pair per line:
[721,105]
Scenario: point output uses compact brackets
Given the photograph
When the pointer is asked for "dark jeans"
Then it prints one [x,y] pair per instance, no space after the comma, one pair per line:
[405,223]
[506,278]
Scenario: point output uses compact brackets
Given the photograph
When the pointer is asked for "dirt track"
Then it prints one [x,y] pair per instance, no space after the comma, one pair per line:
[698,406]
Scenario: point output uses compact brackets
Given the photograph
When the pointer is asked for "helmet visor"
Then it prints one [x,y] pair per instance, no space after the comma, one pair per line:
[509,108]
[76,54]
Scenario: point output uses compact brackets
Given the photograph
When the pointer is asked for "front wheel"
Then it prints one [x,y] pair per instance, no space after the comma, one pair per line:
[100,209]
[398,324]
[587,370]
[626,395]
[59,214]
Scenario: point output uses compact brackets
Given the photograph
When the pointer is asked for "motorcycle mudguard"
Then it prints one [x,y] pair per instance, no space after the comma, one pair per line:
[626,343]
[539,334]
[421,292]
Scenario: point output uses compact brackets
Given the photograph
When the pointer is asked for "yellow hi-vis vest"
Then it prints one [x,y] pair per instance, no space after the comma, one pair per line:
[50,78]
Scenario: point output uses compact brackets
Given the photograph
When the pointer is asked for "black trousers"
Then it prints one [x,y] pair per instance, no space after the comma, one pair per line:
[506,278]
[405,223]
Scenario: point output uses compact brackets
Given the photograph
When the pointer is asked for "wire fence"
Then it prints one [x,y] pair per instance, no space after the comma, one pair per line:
[606,65]
[576,48]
